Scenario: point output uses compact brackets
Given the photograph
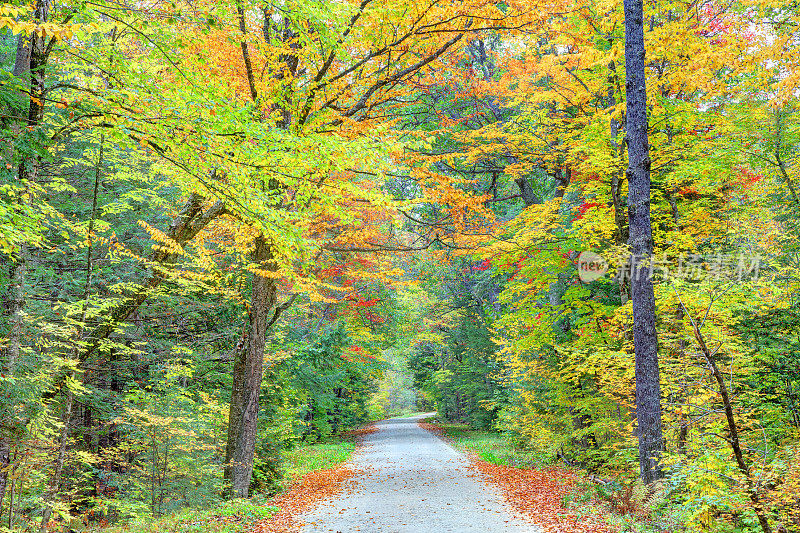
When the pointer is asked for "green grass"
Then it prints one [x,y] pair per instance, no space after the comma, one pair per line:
[304,459]
[234,516]
[409,415]
[491,447]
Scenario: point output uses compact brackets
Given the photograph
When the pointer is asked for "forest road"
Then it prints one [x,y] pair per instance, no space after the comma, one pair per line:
[410,481]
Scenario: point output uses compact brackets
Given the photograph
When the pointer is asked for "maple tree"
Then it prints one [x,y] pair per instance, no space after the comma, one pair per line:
[585,391]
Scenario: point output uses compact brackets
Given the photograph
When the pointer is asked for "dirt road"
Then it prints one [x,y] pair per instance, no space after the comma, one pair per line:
[408,481]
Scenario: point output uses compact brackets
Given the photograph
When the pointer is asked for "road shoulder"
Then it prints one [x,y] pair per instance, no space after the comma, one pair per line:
[536,493]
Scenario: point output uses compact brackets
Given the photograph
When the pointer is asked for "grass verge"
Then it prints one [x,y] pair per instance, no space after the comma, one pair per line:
[410,414]
[304,459]
[494,448]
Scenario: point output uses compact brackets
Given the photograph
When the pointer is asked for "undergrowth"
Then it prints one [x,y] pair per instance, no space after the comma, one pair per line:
[233,516]
[240,515]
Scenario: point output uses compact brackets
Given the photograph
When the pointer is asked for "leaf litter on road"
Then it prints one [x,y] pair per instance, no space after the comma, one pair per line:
[536,493]
[311,489]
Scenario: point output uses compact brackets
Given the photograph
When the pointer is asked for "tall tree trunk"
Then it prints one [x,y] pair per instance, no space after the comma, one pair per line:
[526,192]
[22,61]
[247,374]
[620,216]
[248,364]
[648,389]
[562,179]
[13,306]
[5,465]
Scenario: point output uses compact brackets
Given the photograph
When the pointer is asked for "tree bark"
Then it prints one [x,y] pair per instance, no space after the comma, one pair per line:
[526,192]
[648,389]
[5,465]
[620,216]
[248,369]
[34,63]
[22,61]
[247,374]
[562,179]
[13,307]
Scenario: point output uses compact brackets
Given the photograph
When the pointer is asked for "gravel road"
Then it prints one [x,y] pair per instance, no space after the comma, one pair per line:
[409,480]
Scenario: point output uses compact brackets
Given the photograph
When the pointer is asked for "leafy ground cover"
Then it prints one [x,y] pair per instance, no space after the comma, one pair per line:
[321,475]
[233,516]
[541,492]
[311,488]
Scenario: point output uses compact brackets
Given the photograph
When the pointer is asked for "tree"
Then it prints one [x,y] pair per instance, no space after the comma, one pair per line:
[648,388]
[347,93]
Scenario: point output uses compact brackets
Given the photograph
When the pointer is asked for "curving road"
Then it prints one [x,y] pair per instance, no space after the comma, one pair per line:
[410,481]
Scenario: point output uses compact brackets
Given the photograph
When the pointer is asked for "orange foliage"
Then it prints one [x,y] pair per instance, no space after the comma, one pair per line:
[538,494]
[311,489]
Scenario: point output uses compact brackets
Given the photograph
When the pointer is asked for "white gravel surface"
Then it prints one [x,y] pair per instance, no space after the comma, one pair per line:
[408,480]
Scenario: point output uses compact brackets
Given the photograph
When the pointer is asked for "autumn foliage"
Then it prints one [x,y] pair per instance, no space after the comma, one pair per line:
[311,490]
[231,229]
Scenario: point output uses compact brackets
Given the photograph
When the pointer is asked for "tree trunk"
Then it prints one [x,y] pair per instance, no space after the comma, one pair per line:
[562,179]
[526,192]
[733,431]
[28,172]
[55,480]
[620,216]
[648,389]
[22,61]
[247,374]
[189,222]
[69,403]
[12,308]
[248,366]
[5,464]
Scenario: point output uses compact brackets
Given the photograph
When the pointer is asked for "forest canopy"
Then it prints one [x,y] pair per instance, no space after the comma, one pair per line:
[232,228]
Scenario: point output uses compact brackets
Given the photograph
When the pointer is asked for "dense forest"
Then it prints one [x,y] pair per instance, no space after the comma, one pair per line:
[231,228]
